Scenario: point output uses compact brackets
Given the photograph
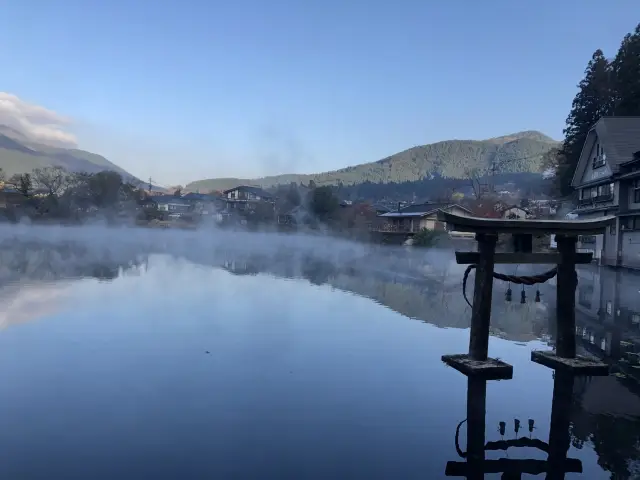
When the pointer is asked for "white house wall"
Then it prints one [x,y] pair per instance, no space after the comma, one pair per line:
[631,248]
[591,174]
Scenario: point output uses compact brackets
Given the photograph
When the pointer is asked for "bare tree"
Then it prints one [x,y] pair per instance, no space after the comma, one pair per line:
[473,175]
[22,182]
[54,180]
[2,176]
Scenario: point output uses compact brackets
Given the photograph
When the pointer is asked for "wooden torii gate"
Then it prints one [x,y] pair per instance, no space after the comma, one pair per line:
[477,363]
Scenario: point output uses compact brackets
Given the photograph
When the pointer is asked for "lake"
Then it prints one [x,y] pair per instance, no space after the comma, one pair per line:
[179,355]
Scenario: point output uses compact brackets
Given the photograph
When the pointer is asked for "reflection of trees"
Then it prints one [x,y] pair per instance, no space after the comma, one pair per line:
[317,271]
[427,293]
[20,261]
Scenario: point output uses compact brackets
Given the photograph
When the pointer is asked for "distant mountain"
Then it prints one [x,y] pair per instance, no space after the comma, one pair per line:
[19,155]
[515,153]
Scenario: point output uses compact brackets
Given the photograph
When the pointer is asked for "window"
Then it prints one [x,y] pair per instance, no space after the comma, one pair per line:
[612,229]
[609,308]
[598,159]
[636,190]
[630,223]
[585,294]
[635,318]
[605,190]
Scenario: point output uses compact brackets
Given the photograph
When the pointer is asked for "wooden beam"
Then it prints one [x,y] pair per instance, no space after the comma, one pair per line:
[459,223]
[512,466]
[467,258]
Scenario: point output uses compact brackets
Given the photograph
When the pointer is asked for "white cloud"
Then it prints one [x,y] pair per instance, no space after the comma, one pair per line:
[35,122]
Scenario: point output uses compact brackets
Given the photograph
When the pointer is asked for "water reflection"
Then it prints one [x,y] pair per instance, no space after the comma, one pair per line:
[555,466]
[371,399]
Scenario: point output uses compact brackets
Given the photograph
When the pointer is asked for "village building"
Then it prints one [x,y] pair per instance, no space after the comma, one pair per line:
[607,179]
[515,213]
[413,218]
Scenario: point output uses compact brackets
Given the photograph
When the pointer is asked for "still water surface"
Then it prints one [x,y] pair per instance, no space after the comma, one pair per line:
[177,370]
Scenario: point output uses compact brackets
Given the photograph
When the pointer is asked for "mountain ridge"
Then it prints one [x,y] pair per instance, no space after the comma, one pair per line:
[514,153]
[18,155]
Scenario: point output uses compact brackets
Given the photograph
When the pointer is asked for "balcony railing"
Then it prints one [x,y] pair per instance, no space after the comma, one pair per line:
[608,197]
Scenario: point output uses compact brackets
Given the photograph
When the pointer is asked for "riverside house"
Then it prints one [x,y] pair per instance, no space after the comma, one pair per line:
[413,218]
[607,179]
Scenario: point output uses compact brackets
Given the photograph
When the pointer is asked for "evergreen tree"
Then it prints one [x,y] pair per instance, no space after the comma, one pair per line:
[626,76]
[592,102]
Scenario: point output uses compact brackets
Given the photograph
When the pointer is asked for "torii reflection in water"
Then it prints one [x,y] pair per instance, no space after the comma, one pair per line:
[555,466]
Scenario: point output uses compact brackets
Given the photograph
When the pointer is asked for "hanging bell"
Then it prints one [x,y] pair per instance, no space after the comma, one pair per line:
[531,425]
[507,295]
[523,297]
[537,296]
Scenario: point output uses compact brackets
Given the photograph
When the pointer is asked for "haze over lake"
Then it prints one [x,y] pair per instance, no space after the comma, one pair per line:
[138,354]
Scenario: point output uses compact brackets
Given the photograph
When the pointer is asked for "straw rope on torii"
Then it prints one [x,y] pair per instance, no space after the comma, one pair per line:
[518,280]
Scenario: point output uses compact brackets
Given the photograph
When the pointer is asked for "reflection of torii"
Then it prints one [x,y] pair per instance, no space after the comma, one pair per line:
[557,463]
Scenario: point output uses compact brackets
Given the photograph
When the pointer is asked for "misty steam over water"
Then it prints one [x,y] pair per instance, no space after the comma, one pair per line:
[130,353]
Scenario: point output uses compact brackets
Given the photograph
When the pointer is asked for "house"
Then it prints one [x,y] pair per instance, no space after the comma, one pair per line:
[515,213]
[10,197]
[205,204]
[607,179]
[175,206]
[413,218]
[244,198]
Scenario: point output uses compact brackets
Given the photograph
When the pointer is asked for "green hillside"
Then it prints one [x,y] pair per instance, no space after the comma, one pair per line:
[17,155]
[518,152]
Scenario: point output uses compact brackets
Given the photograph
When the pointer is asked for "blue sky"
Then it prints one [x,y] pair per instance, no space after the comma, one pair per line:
[182,90]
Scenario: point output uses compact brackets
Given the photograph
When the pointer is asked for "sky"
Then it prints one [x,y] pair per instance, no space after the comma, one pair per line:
[192,89]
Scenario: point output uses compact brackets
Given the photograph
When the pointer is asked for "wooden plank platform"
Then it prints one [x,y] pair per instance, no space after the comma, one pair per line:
[467,258]
[489,369]
[576,366]
[460,223]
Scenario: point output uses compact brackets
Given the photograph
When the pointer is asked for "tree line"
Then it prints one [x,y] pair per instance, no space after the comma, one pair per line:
[610,87]
[59,193]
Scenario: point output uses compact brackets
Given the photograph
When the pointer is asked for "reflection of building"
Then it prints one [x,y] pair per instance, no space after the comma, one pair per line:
[607,326]
[608,316]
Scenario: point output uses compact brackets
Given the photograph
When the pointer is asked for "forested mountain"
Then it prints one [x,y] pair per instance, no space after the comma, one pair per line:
[451,159]
[19,155]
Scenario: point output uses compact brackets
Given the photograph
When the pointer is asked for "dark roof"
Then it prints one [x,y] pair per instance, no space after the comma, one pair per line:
[380,208]
[169,199]
[421,209]
[256,190]
[621,138]
[202,197]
